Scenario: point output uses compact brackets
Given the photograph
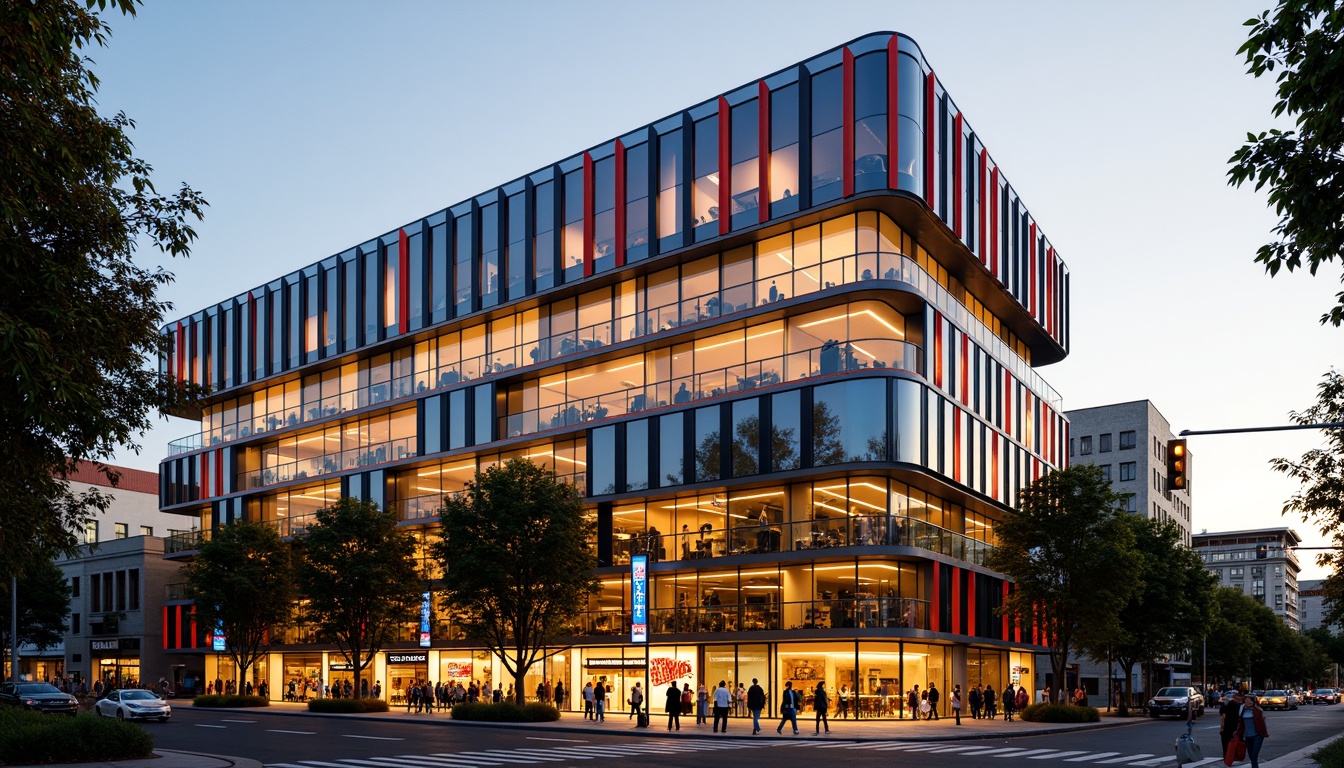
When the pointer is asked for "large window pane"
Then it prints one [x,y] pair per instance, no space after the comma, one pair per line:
[637,455]
[603,464]
[785,431]
[636,202]
[908,402]
[489,275]
[827,138]
[671,455]
[746,445]
[705,192]
[543,243]
[745,148]
[784,150]
[848,422]
[707,444]
[670,208]
[604,214]
[870,122]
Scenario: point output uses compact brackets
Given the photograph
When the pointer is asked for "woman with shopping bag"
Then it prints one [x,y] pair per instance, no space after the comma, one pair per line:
[1252,729]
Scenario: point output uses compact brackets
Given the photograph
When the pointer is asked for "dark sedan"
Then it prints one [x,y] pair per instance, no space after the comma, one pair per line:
[39,696]
[1176,701]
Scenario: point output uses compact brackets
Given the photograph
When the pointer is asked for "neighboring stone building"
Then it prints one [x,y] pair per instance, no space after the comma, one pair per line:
[1311,605]
[1129,442]
[1261,563]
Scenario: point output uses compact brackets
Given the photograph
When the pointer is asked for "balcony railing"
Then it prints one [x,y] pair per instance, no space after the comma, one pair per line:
[839,271]
[853,355]
[858,612]
[829,533]
[184,541]
[316,466]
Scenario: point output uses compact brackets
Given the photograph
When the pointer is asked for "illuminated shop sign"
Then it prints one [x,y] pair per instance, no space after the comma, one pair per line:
[424,620]
[407,658]
[639,599]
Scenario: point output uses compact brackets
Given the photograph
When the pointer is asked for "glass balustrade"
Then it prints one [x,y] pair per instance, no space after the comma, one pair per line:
[323,464]
[862,611]
[824,533]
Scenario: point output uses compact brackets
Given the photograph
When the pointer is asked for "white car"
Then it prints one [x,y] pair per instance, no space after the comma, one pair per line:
[133,704]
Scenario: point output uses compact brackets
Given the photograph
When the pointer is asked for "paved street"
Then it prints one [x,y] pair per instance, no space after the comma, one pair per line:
[289,738]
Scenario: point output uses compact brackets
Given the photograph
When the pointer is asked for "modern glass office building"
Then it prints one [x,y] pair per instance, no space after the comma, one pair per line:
[785,341]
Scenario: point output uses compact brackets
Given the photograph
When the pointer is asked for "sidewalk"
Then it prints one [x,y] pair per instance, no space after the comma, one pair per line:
[169,759]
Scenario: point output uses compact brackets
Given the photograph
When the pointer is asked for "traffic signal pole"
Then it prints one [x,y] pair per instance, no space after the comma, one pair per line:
[1284,428]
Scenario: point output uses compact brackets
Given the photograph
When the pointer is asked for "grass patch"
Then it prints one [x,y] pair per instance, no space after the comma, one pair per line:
[1331,755]
[229,700]
[1060,713]
[347,706]
[28,737]
[507,712]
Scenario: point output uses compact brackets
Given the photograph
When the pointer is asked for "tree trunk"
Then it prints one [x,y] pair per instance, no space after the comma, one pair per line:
[519,695]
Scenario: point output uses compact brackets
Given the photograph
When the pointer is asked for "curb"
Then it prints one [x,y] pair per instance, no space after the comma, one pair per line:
[236,762]
[1300,757]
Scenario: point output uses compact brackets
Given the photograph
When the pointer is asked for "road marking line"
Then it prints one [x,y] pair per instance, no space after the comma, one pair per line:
[324,765]
[1031,752]
[384,762]
[1002,751]
[877,745]
[1125,759]
[504,752]
[301,733]
[1091,757]
[954,749]
[542,738]
[505,758]
[1156,760]
[421,760]
[237,721]
[203,725]
[1061,754]
[282,765]
[373,738]
[567,757]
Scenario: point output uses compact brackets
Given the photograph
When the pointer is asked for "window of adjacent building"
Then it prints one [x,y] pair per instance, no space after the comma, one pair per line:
[146,530]
[827,135]
[1237,573]
[1104,443]
[1127,469]
[636,202]
[120,530]
[784,150]
[119,591]
[705,189]
[91,532]
[870,122]
[543,242]
[133,589]
[74,623]
[1106,472]
[670,205]
[1127,440]
[1073,446]
[1086,445]
[1129,503]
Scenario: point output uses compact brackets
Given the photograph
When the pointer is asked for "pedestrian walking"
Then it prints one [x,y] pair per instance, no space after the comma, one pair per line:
[636,701]
[933,702]
[755,703]
[1009,702]
[1230,718]
[820,703]
[702,705]
[687,699]
[991,702]
[976,700]
[600,701]
[912,699]
[956,703]
[559,694]
[588,701]
[842,698]
[1251,728]
[673,706]
[788,709]
[723,699]
[1022,699]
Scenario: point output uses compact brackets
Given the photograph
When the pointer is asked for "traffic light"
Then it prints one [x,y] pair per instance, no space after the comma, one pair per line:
[1261,551]
[1178,466]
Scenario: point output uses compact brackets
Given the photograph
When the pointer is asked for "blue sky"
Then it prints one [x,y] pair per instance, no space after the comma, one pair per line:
[312,126]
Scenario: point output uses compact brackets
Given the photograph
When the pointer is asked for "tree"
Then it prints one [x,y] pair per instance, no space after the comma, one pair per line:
[357,569]
[78,316]
[517,562]
[242,580]
[1170,608]
[44,604]
[1303,168]
[1070,551]
[1321,473]
[1232,643]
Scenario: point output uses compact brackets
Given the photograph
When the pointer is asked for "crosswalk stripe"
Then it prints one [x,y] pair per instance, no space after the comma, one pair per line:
[505,758]
[282,765]
[1061,754]
[321,764]
[1004,751]
[1125,759]
[878,745]
[551,752]
[508,752]
[415,761]
[434,762]
[898,747]
[955,749]
[1032,752]
[1156,760]
[1091,757]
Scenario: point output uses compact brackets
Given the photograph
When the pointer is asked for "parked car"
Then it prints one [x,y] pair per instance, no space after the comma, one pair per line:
[1325,696]
[1176,701]
[133,704]
[1277,698]
[42,697]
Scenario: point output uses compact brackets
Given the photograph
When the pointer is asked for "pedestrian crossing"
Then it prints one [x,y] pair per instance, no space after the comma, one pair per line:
[1142,759]
[506,758]
[503,758]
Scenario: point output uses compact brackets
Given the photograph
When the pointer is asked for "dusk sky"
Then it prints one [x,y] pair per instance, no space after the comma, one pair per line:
[314,126]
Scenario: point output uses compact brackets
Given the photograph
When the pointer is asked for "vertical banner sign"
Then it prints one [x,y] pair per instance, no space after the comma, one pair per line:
[424,619]
[217,640]
[639,599]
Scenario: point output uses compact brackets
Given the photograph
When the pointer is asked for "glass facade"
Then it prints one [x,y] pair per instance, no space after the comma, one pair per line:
[811,427]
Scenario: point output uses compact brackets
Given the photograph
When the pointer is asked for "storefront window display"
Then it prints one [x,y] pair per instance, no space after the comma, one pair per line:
[302,672]
[405,668]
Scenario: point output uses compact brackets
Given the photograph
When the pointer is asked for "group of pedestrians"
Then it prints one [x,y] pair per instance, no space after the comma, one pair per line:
[1242,717]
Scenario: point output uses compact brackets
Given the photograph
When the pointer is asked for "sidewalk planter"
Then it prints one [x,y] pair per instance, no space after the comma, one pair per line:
[1060,713]
[28,738]
[506,712]
[347,706]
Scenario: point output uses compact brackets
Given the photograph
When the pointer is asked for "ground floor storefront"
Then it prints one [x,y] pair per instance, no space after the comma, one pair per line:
[862,678]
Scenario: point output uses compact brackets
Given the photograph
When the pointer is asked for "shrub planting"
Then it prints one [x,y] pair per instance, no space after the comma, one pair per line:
[1060,713]
[28,737]
[507,712]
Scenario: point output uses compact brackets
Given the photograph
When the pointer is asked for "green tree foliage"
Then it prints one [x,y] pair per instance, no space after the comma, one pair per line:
[243,578]
[1321,473]
[1247,641]
[1303,168]
[1171,605]
[44,604]
[357,570]
[517,562]
[1070,550]
[1232,642]
[78,316]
